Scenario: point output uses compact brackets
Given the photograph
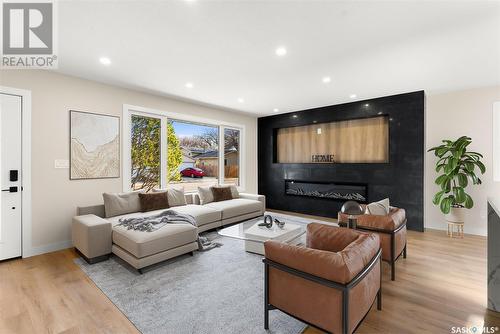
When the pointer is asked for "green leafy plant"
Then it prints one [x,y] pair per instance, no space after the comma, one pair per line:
[145,153]
[174,157]
[456,166]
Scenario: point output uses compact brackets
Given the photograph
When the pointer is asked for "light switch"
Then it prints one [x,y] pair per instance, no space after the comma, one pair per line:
[61,163]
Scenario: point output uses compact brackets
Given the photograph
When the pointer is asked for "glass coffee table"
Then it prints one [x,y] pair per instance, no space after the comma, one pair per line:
[254,236]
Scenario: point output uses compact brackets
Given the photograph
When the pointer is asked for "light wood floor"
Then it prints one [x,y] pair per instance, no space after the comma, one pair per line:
[441,284]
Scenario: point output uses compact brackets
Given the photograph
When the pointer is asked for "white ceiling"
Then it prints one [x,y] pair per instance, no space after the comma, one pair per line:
[227,48]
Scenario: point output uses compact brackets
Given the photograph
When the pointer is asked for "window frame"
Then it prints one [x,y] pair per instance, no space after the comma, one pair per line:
[164,116]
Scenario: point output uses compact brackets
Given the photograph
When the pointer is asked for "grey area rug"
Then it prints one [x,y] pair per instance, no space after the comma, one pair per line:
[218,291]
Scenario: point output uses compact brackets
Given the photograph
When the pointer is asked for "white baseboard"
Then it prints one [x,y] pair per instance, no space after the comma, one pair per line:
[49,248]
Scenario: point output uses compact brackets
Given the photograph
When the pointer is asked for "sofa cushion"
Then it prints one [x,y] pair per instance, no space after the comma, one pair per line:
[201,213]
[235,207]
[153,201]
[116,204]
[234,191]
[141,243]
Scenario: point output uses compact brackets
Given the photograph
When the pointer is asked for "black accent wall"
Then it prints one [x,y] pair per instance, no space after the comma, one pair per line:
[402,179]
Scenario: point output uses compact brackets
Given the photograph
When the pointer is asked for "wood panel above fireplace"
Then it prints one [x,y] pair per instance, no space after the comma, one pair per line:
[364,140]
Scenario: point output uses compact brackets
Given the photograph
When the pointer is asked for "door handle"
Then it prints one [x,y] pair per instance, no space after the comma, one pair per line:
[11,189]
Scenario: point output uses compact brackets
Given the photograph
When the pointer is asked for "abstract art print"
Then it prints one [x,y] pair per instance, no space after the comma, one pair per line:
[95,146]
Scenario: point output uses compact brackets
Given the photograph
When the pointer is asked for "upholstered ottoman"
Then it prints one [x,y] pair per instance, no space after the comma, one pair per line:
[141,249]
[391,229]
[92,237]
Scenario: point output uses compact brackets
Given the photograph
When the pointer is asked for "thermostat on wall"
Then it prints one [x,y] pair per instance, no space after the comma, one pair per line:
[61,163]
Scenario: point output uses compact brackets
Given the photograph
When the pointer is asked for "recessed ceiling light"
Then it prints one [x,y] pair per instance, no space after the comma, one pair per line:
[276,110]
[281,51]
[327,79]
[295,116]
[353,96]
[105,60]
[241,100]
[367,104]
[189,85]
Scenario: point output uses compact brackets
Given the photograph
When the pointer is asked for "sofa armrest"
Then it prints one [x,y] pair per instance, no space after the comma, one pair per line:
[97,210]
[91,236]
[255,197]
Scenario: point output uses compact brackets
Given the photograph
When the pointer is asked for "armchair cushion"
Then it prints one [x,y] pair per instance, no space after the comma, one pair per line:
[380,208]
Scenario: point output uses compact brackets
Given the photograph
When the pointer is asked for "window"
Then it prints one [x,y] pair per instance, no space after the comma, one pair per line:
[169,149]
[232,156]
[145,152]
[193,154]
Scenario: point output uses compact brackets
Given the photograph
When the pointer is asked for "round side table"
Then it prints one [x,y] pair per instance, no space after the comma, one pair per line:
[459,229]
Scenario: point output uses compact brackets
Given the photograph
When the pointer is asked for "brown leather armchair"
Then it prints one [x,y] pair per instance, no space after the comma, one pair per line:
[391,229]
[330,284]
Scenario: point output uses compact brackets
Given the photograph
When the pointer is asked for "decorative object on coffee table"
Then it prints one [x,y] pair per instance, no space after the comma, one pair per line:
[457,167]
[352,209]
[279,223]
[268,221]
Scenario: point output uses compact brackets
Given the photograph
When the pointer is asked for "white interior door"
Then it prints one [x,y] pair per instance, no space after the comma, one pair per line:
[10,176]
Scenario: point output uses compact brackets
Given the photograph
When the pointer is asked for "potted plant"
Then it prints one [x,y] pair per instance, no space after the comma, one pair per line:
[456,167]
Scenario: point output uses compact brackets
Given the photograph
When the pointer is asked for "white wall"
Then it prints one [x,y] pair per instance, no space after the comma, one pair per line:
[449,116]
[54,196]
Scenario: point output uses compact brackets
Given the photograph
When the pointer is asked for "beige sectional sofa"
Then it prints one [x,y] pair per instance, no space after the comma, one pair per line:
[95,236]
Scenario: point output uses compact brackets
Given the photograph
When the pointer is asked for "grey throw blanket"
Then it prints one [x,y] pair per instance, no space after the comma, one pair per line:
[153,223]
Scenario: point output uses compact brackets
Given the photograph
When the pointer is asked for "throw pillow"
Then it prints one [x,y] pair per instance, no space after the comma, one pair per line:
[222,194]
[153,201]
[380,208]
[116,204]
[234,191]
[176,197]
[205,194]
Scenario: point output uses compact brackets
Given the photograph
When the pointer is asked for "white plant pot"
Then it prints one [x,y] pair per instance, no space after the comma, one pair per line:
[456,215]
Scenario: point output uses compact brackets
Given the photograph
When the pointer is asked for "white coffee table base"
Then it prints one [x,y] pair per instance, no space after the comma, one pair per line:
[256,236]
